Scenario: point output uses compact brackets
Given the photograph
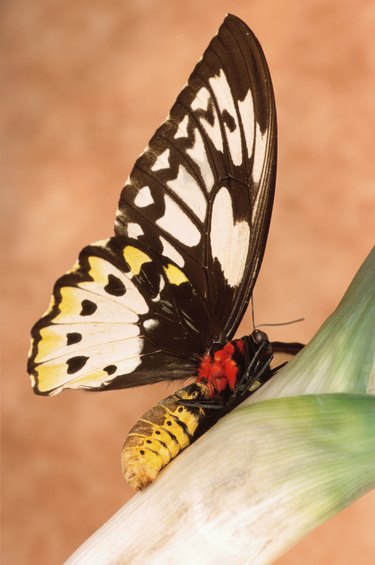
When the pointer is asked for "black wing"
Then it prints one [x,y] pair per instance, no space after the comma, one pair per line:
[202,192]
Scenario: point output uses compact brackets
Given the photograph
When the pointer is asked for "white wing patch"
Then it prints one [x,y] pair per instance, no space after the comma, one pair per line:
[229,240]
[186,187]
[213,131]
[246,109]
[55,338]
[178,224]
[162,161]
[182,128]
[201,99]
[199,156]
[134,230]
[225,102]
[144,197]
[259,159]
[172,253]
[200,102]
[150,324]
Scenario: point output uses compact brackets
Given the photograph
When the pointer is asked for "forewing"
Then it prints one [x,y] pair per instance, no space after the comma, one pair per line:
[122,317]
[202,192]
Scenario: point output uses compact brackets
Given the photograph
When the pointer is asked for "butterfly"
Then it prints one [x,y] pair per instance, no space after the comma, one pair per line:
[163,297]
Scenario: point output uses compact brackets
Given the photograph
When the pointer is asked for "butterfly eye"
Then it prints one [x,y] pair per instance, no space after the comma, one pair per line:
[259,337]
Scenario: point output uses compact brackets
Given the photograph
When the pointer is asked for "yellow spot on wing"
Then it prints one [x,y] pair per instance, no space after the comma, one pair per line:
[70,303]
[135,258]
[175,275]
[50,342]
[97,272]
[50,376]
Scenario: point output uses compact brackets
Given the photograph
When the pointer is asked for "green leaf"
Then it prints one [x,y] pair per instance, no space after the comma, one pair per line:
[249,488]
[341,356]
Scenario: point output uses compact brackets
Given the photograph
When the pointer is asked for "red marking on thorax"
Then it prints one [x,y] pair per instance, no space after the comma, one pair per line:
[219,370]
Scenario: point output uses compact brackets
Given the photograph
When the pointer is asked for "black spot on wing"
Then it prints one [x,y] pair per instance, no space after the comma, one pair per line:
[110,369]
[73,337]
[115,286]
[76,363]
[88,308]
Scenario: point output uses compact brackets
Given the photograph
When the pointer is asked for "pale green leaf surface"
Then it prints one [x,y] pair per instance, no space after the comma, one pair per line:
[341,356]
[249,488]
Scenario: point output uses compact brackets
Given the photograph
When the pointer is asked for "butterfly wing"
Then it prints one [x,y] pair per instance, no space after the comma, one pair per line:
[121,312]
[190,232]
[202,191]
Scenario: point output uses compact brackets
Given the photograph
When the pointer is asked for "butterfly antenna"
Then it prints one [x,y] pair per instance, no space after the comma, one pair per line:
[296,321]
[282,323]
[252,312]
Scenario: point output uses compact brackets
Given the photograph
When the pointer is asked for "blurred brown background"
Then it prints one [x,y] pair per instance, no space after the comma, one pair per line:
[84,85]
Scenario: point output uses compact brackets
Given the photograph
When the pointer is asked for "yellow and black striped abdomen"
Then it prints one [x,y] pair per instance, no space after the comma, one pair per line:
[159,436]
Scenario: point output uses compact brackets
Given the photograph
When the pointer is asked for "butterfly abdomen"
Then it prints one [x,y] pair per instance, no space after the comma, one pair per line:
[161,434]
[227,374]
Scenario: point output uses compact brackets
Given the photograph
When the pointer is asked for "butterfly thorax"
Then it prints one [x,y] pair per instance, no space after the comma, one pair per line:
[219,369]
[233,368]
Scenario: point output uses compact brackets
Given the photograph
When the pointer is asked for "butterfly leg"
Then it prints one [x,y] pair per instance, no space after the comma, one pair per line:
[254,369]
[207,404]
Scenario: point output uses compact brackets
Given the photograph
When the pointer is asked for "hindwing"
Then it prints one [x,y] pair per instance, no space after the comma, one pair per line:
[122,311]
